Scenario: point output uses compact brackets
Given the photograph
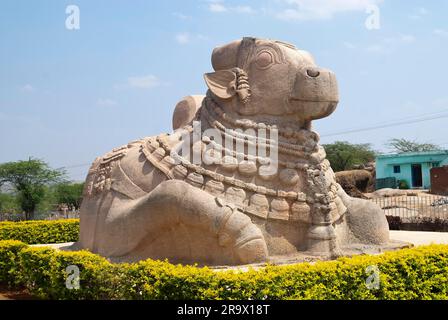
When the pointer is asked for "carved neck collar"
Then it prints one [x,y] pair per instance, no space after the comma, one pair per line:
[217,118]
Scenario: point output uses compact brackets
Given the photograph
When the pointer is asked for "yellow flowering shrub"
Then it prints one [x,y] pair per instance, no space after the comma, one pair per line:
[417,273]
[40,231]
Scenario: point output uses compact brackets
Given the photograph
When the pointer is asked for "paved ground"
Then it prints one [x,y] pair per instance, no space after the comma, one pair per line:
[60,246]
[419,238]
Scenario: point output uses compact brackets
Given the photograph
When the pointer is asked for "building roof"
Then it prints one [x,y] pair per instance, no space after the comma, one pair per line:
[411,154]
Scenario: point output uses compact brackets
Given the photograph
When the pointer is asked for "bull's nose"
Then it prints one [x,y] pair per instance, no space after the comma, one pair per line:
[313,73]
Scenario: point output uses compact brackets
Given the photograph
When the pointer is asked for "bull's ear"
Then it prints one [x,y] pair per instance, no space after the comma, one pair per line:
[222,83]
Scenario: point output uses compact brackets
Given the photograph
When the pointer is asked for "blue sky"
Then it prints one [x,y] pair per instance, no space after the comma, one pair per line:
[67,96]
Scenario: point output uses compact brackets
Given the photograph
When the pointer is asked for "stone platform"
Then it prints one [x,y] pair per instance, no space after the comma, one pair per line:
[399,240]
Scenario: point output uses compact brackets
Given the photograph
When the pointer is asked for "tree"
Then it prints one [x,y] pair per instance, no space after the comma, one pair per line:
[69,194]
[404,145]
[29,180]
[8,203]
[344,155]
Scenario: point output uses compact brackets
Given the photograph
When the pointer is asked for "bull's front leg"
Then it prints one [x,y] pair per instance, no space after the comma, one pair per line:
[365,219]
[176,205]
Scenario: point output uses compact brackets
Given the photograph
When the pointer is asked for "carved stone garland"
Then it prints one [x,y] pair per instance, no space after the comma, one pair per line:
[314,207]
[251,198]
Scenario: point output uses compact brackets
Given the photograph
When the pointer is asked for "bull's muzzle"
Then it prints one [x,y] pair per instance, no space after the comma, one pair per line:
[316,90]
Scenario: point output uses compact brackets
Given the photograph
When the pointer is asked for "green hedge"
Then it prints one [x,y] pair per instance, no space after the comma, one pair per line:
[9,261]
[39,231]
[418,273]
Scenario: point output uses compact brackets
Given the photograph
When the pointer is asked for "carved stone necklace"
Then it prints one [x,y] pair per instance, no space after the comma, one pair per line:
[252,198]
[305,151]
[301,135]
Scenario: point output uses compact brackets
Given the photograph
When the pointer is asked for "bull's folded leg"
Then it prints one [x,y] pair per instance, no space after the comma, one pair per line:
[182,222]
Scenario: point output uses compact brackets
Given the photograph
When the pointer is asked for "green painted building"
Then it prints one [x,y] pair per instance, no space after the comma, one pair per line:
[413,167]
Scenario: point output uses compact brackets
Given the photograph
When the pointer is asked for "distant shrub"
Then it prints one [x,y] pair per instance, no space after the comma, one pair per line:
[403,184]
[39,231]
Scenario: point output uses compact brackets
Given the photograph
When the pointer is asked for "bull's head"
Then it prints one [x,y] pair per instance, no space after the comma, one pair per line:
[266,77]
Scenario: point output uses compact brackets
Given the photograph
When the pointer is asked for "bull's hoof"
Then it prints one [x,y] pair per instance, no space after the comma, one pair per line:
[321,241]
[367,221]
[253,251]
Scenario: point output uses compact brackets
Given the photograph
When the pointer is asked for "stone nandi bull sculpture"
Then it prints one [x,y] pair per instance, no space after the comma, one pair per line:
[148,199]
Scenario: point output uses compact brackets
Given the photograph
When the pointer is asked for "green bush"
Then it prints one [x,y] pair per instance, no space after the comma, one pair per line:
[403,184]
[39,231]
[45,274]
[418,273]
[36,270]
[9,260]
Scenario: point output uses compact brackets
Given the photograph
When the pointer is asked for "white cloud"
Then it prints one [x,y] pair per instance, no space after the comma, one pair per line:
[389,44]
[441,32]
[422,11]
[401,38]
[321,9]
[139,82]
[377,48]
[181,16]
[27,88]
[201,37]
[183,38]
[407,38]
[244,9]
[218,6]
[106,102]
[144,82]
[418,13]
[349,45]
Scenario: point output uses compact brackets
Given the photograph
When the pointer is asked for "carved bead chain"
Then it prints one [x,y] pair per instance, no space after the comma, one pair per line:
[220,177]
[302,134]
[285,148]
[313,163]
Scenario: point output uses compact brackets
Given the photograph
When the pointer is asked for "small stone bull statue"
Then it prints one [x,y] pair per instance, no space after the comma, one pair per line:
[149,199]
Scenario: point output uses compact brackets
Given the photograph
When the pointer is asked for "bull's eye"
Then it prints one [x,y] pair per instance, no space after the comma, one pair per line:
[264,59]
